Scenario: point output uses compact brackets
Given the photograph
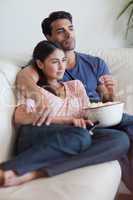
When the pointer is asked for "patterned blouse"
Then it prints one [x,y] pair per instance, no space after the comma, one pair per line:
[72,105]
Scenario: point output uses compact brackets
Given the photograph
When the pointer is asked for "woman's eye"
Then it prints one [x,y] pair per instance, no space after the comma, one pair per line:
[64,60]
[55,62]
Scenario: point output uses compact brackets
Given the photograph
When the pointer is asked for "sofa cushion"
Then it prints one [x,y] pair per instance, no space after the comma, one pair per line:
[97,182]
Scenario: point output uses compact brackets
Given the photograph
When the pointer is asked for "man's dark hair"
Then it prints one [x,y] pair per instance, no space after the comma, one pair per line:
[46,23]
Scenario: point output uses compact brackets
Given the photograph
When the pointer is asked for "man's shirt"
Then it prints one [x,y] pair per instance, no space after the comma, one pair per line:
[88,69]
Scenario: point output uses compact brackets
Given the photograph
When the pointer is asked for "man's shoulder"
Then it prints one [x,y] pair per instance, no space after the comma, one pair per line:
[92,61]
[89,57]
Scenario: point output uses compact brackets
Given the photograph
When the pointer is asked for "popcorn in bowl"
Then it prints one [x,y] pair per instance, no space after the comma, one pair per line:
[108,114]
[101,104]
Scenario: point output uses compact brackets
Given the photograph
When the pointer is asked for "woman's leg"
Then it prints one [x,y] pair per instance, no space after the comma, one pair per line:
[107,145]
[10,178]
[42,155]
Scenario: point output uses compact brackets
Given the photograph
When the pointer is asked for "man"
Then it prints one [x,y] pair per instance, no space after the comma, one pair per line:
[92,71]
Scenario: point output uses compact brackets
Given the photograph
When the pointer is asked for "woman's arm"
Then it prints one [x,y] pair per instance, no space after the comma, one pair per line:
[23,118]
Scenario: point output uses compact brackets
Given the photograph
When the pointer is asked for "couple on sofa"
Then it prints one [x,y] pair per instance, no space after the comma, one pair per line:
[60,139]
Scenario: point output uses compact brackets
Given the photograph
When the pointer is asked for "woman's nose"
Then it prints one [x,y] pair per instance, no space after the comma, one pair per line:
[61,65]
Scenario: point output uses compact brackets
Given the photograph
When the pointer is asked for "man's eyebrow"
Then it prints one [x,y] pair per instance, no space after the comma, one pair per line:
[62,28]
[71,26]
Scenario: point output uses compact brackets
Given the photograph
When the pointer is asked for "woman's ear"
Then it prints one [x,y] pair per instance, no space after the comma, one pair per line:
[39,64]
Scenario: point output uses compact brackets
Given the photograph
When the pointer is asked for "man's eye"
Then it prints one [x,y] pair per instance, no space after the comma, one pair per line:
[60,31]
[71,28]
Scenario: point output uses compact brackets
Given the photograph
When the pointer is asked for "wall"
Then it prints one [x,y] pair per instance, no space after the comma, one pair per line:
[94,20]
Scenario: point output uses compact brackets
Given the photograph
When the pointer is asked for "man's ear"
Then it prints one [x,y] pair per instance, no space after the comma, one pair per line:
[39,64]
[48,37]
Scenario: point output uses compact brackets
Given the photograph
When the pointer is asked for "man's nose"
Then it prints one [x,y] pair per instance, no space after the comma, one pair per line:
[67,34]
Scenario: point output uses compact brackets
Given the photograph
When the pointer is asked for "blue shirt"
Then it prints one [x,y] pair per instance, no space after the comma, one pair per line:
[88,69]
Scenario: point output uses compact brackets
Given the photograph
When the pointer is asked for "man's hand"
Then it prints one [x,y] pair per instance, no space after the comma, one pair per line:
[107,88]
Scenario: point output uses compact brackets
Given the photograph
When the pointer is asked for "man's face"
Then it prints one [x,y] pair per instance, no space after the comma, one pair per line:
[63,34]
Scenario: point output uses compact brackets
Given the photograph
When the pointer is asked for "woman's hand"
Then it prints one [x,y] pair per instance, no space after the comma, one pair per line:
[80,122]
[42,115]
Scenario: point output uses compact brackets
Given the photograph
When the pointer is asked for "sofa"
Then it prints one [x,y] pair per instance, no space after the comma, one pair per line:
[98,182]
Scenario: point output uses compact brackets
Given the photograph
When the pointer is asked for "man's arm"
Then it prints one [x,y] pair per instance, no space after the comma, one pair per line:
[26,82]
[106,86]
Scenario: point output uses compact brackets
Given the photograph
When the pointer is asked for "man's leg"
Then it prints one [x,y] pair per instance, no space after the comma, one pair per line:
[127,161]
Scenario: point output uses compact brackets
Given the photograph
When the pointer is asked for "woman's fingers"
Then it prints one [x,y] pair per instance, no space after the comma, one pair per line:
[83,123]
[41,116]
[30,106]
[89,122]
[80,122]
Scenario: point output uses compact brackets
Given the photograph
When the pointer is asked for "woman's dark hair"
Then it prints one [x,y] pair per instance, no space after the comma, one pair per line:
[41,51]
[46,23]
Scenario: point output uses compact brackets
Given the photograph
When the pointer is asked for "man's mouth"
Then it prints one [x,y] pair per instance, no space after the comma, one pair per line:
[68,41]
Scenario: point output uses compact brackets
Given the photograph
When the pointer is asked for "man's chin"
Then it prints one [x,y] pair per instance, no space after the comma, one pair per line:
[68,48]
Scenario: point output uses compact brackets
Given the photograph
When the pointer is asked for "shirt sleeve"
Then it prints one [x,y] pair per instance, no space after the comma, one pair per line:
[102,69]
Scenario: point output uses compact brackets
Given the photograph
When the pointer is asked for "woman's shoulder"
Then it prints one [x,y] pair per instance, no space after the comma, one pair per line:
[74,85]
[73,82]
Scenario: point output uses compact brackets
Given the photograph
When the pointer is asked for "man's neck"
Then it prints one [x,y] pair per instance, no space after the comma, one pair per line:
[71,59]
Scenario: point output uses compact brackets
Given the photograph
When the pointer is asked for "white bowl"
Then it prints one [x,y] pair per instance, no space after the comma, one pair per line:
[108,114]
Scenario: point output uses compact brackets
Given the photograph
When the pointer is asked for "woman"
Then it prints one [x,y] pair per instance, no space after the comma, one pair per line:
[40,147]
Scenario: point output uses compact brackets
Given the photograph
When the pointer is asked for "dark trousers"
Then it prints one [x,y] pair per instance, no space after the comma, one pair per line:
[37,148]
[127,161]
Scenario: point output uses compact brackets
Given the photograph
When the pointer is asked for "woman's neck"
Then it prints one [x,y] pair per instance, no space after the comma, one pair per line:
[53,83]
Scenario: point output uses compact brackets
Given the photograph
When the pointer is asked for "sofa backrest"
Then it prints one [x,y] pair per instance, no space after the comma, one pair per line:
[120,62]
[8,73]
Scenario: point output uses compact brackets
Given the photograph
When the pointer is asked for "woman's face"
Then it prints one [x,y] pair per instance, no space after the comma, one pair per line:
[54,65]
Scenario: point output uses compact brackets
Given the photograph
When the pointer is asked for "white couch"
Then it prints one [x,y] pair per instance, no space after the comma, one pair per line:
[99,182]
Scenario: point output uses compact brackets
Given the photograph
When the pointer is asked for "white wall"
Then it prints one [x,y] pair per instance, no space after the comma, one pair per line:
[94,20]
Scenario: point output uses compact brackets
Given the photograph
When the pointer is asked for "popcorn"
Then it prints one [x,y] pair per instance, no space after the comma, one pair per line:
[100,104]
